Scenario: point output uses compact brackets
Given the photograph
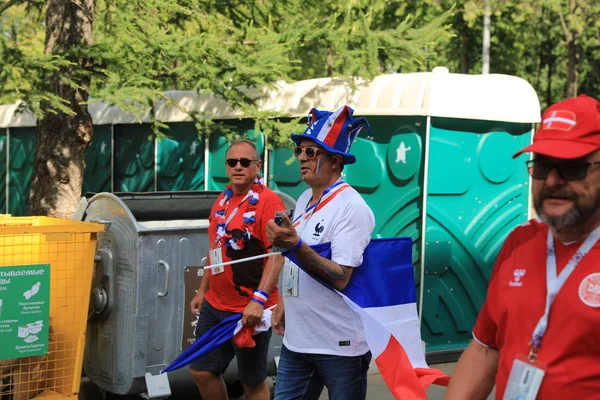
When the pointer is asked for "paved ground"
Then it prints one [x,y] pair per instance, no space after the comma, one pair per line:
[377,390]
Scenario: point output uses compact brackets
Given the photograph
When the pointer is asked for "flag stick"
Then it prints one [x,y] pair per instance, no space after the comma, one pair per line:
[241,260]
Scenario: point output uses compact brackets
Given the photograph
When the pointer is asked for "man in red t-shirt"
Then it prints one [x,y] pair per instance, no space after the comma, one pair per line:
[237,230]
[536,335]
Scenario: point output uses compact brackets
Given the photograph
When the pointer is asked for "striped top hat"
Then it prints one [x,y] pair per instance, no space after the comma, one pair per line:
[334,131]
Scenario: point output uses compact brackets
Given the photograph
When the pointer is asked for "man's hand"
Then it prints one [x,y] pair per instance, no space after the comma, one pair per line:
[196,303]
[282,236]
[252,314]
[278,319]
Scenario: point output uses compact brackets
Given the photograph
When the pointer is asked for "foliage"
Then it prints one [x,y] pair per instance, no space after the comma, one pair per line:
[143,48]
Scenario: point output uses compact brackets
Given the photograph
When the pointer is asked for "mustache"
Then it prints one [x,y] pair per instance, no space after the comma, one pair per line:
[557,192]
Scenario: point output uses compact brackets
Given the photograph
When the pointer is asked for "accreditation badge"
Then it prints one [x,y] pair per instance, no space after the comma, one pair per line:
[524,380]
[216,257]
[290,281]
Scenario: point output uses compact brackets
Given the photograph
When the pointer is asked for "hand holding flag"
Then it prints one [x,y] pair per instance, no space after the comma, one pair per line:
[228,329]
[253,314]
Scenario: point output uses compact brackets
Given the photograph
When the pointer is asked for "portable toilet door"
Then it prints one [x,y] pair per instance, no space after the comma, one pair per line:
[476,194]
[17,153]
[6,112]
[451,136]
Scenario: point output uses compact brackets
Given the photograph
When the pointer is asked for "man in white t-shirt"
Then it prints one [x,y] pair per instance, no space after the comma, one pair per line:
[324,342]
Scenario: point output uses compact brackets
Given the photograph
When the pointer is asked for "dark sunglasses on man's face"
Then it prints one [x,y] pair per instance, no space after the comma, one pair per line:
[311,152]
[232,162]
[569,170]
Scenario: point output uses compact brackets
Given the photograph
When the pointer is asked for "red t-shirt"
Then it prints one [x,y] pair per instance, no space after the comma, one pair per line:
[232,289]
[516,301]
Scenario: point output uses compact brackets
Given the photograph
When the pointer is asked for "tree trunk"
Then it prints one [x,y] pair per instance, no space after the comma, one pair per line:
[572,73]
[62,138]
[464,58]
[549,75]
[329,61]
[571,42]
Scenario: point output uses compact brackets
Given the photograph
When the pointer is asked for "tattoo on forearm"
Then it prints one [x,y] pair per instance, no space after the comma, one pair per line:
[317,261]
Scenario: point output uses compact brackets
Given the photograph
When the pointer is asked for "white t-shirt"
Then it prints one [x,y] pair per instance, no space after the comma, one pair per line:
[318,321]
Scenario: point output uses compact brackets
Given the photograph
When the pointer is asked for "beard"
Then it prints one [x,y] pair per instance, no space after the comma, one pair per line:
[578,215]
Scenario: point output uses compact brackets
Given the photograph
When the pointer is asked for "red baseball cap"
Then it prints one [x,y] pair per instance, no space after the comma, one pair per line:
[569,129]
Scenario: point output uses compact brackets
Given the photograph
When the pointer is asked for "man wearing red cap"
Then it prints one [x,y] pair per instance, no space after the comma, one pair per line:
[537,333]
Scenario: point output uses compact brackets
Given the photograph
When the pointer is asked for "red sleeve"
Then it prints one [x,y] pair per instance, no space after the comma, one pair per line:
[272,204]
[486,328]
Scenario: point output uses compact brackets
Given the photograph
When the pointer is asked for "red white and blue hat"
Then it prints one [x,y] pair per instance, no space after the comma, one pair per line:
[334,131]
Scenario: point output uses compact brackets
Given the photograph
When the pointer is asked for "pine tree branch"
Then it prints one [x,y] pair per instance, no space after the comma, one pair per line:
[6,4]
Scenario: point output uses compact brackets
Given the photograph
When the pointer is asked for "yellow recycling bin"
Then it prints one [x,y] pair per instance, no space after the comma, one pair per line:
[46,269]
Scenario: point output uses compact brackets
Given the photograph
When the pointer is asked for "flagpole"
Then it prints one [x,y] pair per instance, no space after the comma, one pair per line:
[241,260]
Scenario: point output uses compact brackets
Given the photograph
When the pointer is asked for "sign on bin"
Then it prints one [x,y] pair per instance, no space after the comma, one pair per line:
[24,310]
[192,278]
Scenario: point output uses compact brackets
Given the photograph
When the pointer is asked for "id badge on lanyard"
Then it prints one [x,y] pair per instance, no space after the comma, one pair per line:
[528,372]
[290,281]
[216,257]
[524,380]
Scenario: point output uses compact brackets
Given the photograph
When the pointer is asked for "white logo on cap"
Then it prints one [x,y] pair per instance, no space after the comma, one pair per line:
[561,119]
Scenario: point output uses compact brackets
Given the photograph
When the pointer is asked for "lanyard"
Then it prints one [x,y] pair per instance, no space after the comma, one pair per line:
[314,206]
[554,283]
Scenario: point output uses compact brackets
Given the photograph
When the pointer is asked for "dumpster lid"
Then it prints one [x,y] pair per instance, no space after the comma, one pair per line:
[163,206]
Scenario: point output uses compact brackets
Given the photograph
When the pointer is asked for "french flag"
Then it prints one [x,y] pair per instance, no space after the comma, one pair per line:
[382,292]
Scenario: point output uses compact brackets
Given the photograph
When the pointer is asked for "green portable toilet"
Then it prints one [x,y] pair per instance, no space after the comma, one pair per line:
[19,152]
[6,112]
[201,160]
[18,130]
[476,194]
[451,136]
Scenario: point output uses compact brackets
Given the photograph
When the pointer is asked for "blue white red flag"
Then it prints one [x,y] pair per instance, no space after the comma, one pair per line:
[382,292]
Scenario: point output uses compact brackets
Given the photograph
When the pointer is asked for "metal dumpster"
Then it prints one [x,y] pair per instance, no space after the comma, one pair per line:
[147,265]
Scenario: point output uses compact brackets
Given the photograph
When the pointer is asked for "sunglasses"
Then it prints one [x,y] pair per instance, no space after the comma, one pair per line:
[572,170]
[245,162]
[311,152]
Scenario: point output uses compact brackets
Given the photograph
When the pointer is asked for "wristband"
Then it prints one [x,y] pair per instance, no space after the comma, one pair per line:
[297,246]
[259,294]
[262,303]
